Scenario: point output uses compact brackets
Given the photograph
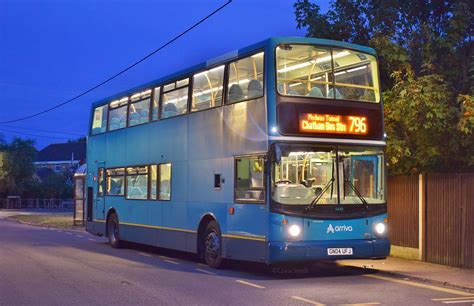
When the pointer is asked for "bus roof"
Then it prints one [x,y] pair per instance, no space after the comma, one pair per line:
[270,42]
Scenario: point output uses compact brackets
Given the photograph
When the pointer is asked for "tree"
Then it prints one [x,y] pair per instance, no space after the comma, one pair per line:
[425,51]
[2,166]
[418,121]
[80,139]
[19,165]
[57,185]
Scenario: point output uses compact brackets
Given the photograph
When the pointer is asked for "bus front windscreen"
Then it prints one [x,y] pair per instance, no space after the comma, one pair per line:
[327,175]
[327,73]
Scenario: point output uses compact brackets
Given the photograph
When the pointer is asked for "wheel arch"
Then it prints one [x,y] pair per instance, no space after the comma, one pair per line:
[204,221]
[109,213]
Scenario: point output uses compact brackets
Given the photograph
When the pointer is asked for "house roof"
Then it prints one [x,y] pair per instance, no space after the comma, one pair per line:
[62,151]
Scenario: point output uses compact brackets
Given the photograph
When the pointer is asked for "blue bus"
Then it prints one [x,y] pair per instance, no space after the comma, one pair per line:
[272,153]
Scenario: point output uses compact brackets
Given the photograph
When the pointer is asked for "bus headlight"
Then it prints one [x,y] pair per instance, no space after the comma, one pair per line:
[380,228]
[294,230]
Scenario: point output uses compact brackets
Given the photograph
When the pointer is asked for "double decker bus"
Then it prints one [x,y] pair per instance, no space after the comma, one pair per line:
[272,153]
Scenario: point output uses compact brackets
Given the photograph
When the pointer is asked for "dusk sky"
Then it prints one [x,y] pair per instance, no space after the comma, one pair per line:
[51,51]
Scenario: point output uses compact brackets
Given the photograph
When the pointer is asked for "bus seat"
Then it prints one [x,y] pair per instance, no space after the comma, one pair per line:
[202,102]
[134,118]
[256,178]
[114,123]
[164,188]
[255,89]
[338,94]
[154,113]
[315,92]
[293,93]
[170,110]
[236,93]
[281,88]
[144,116]
[122,123]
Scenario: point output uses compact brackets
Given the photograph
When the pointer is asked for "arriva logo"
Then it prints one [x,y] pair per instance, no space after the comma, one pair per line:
[338,228]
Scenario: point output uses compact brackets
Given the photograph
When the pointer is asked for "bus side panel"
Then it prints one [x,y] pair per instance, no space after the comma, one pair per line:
[203,199]
[245,133]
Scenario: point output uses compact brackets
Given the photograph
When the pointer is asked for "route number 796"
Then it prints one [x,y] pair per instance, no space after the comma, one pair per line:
[358,125]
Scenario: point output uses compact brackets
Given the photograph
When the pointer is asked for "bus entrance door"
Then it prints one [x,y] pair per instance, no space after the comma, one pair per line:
[99,211]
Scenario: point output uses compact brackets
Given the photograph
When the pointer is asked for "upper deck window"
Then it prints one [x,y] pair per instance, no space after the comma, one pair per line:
[322,72]
[118,114]
[207,89]
[139,110]
[99,121]
[245,79]
[174,99]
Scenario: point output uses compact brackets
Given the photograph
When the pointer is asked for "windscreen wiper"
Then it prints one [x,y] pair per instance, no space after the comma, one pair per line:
[356,191]
[320,195]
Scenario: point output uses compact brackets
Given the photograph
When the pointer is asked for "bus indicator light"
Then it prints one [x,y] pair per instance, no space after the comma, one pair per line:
[333,124]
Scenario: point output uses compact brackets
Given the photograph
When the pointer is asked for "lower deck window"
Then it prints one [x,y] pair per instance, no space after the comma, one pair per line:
[160,182]
[249,186]
[100,183]
[115,182]
[165,182]
[137,183]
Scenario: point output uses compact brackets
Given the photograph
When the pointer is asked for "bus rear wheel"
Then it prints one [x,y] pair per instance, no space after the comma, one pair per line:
[212,245]
[113,232]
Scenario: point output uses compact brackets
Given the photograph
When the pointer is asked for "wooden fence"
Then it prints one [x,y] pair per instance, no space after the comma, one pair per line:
[434,216]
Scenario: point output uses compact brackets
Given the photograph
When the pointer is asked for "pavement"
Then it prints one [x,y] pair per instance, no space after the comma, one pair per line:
[420,271]
[66,267]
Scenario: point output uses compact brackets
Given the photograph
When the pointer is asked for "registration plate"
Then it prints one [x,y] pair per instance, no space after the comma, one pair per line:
[339,251]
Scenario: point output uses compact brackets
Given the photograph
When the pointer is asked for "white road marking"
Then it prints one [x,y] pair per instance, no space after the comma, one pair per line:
[455,298]
[458,301]
[145,254]
[361,304]
[202,265]
[171,262]
[92,239]
[249,284]
[79,236]
[299,298]
[205,271]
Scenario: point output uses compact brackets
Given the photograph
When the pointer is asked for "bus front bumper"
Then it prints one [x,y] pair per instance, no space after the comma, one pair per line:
[284,251]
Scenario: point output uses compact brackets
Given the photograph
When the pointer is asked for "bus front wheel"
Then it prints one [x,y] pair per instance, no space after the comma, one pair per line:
[113,232]
[212,245]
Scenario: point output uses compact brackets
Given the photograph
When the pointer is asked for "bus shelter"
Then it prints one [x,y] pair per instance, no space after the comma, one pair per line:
[79,194]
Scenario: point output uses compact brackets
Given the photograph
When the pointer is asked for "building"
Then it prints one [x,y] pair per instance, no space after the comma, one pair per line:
[61,156]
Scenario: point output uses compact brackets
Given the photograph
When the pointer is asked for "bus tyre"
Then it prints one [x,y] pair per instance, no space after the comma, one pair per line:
[113,232]
[212,245]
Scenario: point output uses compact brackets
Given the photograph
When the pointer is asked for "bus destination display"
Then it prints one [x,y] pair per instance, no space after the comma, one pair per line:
[333,124]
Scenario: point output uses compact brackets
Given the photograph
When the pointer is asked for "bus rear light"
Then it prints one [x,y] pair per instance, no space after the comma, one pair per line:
[284,221]
[385,220]
[231,211]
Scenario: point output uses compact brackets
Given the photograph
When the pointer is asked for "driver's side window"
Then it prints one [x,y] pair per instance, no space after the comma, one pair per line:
[249,179]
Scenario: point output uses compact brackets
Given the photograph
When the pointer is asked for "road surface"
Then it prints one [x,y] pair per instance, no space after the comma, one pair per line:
[41,266]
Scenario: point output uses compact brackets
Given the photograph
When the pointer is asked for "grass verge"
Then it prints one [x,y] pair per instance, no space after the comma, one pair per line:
[59,221]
